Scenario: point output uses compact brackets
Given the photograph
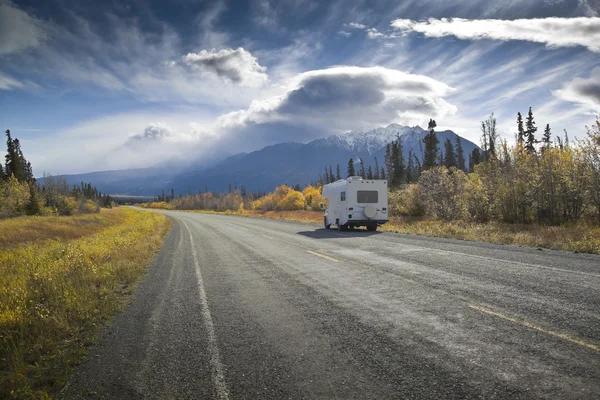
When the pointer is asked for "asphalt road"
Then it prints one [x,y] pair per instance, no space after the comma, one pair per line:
[248,308]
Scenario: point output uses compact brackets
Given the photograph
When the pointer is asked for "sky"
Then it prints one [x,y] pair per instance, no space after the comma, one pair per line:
[99,85]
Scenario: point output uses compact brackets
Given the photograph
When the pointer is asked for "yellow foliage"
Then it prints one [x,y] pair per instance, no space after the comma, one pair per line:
[292,201]
[313,198]
[14,196]
[161,205]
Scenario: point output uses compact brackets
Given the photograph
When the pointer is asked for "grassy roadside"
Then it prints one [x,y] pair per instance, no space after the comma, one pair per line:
[61,278]
[578,237]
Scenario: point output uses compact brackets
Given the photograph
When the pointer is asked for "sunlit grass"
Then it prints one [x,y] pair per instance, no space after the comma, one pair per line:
[61,278]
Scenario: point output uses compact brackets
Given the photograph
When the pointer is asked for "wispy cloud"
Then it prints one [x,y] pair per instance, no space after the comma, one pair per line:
[553,32]
[18,30]
[8,83]
[583,91]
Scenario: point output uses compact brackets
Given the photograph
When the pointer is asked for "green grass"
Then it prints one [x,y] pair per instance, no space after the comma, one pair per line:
[61,279]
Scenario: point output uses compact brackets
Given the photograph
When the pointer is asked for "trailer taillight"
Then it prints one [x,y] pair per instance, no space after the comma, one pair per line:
[351,208]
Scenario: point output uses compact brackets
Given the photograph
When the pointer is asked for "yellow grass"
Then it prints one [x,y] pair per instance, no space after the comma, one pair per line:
[61,278]
[580,237]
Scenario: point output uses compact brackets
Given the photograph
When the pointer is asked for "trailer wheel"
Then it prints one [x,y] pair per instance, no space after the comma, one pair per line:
[372,228]
[327,226]
[341,227]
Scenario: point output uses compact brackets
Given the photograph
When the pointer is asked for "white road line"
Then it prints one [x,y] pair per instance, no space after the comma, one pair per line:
[218,376]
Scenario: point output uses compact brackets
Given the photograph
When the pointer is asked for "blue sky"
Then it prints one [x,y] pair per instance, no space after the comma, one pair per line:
[90,85]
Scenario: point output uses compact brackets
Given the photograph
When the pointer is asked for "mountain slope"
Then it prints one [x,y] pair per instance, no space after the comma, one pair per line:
[262,170]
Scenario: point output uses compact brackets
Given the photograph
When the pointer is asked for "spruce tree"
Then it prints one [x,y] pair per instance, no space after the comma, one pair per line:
[530,130]
[376,173]
[431,143]
[460,155]
[327,177]
[547,138]
[351,171]
[520,130]
[33,206]
[370,173]
[362,169]
[410,168]
[331,176]
[389,162]
[489,137]
[474,159]
[337,173]
[399,169]
[382,174]
[449,155]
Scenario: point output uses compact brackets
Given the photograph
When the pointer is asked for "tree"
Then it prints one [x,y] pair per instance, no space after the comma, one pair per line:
[489,137]
[362,168]
[520,130]
[431,143]
[530,133]
[474,159]
[351,171]
[370,173]
[547,137]
[337,173]
[460,155]
[331,176]
[397,173]
[34,206]
[382,174]
[410,168]
[376,173]
[449,155]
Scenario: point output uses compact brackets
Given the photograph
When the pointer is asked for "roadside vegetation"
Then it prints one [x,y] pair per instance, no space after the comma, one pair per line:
[542,193]
[61,279]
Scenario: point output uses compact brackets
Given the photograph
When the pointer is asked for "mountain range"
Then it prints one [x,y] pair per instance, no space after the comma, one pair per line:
[262,170]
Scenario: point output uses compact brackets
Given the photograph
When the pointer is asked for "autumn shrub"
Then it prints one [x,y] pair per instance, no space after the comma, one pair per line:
[88,207]
[314,198]
[66,205]
[407,201]
[293,200]
[442,191]
[14,196]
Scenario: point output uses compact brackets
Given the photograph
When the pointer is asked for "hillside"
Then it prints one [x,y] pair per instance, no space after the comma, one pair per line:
[262,170]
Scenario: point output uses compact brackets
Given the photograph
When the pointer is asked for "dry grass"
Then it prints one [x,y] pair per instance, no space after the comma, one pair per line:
[60,281]
[580,237]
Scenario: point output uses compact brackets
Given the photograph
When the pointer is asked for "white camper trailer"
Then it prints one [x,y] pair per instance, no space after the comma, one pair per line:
[355,202]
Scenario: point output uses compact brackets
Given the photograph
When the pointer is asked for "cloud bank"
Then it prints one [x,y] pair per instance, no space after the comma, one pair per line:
[583,91]
[345,98]
[553,32]
[238,66]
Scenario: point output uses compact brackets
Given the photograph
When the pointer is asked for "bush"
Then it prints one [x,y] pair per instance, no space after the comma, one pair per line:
[14,197]
[476,200]
[66,205]
[407,201]
[88,207]
[292,201]
[442,189]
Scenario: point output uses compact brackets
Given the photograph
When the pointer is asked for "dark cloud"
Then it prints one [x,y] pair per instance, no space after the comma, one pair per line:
[583,91]
[238,66]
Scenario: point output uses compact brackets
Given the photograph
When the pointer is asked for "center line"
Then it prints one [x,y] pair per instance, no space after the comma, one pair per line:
[323,256]
[218,376]
[564,336]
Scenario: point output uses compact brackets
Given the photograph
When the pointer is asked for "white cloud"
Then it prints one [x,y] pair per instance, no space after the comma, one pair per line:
[355,25]
[344,33]
[583,91]
[8,83]
[18,30]
[553,32]
[238,66]
[344,98]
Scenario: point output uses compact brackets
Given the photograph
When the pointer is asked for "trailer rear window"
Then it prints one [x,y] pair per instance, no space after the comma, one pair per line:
[367,196]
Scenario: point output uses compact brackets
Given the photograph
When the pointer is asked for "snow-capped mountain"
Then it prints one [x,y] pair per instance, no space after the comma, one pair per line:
[284,163]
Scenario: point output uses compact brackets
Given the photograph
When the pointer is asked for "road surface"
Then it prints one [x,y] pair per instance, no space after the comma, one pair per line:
[244,308]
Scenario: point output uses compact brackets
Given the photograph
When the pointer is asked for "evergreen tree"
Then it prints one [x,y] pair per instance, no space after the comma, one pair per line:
[389,162]
[337,173]
[2,175]
[376,174]
[331,176]
[474,159]
[397,176]
[327,177]
[33,206]
[530,133]
[382,174]
[410,168]
[520,130]
[362,169]
[547,137]
[449,155]
[431,143]
[370,173]
[460,155]
[351,171]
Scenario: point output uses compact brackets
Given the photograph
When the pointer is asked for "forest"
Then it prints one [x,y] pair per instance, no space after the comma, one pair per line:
[20,194]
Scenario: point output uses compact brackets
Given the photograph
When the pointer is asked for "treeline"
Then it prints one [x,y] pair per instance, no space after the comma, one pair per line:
[284,198]
[20,194]
[544,181]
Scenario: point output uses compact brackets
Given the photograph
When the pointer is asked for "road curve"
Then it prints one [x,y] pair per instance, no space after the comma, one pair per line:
[238,308]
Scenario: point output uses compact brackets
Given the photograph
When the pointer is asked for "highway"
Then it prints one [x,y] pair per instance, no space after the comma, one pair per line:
[243,308]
